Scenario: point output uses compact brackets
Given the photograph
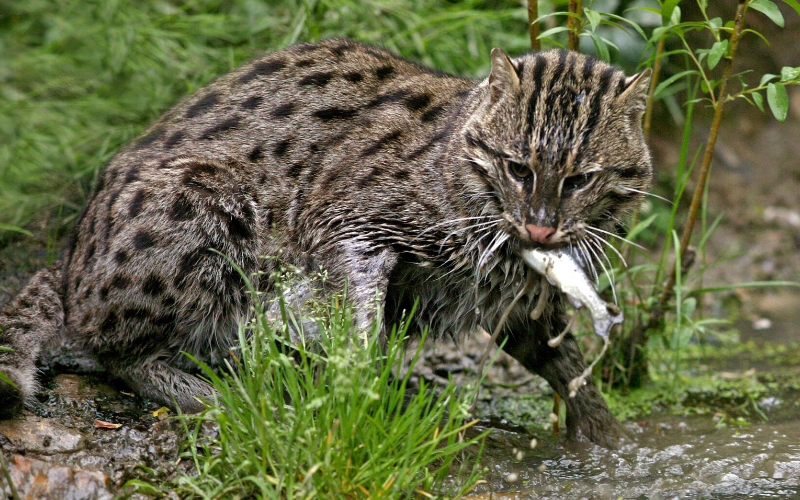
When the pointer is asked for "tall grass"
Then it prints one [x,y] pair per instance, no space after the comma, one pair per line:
[78,79]
[332,419]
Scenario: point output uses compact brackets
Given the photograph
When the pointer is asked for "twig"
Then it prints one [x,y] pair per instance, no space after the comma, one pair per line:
[575,7]
[656,316]
[533,14]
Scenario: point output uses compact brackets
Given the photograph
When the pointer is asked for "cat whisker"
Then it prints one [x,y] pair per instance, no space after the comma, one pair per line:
[626,240]
[451,221]
[612,247]
[648,194]
[611,277]
[587,258]
[490,224]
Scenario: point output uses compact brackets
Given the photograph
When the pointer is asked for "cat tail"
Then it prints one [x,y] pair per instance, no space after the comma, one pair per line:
[26,323]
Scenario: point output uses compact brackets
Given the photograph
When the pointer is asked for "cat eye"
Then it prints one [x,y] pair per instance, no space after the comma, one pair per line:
[519,170]
[575,182]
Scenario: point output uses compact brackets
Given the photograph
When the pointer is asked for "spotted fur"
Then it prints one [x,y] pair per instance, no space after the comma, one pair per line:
[342,157]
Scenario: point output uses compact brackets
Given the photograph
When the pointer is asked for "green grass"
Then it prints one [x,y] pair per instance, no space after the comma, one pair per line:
[331,420]
[78,79]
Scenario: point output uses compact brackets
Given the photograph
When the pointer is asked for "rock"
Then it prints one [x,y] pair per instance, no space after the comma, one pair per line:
[35,479]
[41,435]
[782,217]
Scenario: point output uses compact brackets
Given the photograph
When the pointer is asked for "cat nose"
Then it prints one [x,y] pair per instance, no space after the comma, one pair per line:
[539,233]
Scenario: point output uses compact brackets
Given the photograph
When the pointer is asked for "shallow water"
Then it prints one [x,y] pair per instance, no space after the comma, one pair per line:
[667,458]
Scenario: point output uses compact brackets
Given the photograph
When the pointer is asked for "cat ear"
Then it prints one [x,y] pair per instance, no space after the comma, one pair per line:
[503,77]
[635,94]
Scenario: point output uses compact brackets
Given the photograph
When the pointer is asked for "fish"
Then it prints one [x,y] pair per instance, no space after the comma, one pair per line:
[564,272]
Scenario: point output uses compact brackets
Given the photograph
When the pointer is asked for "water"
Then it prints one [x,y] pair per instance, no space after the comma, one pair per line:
[667,458]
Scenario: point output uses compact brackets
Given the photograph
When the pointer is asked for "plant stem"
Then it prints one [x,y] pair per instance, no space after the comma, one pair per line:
[575,7]
[637,365]
[7,473]
[648,114]
[533,14]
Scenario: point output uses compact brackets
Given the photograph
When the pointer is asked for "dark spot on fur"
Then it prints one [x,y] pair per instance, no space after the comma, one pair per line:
[335,113]
[135,207]
[229,124]
[252,102]
[132,175]
[240,228]
[382,142]
[295,170]
[370,178]
[110,322]
[262,68]
[87,318]
[316,79]
[143,240]
[89,254]
[188,263]
[257,153]
[384,72]
[396,96]
[168,302]
[121,257]
[120,281]
[417,102]
[173,140]
[112,198]
[283,110]
[263,179]
[104,292]
[145,141]
[401,175]
[353,77]
[304,63]
[153,285]
[339,50]
[432,113]
[203,105]
[281,148]
[303,47]
[135,314]
[182,209]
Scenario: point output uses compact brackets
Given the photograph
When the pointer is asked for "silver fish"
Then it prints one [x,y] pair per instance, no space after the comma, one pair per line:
[563,271]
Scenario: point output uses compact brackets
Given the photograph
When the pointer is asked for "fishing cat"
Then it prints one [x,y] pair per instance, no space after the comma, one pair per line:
[393,178]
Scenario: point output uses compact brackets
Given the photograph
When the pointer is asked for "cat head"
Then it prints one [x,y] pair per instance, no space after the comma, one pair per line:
[557,143]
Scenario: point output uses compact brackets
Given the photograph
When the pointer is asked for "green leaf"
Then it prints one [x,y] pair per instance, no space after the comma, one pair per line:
[666,11]
[4,378]
[715,54]
[680,337]
[793,4]
[689,305]
[778,100]
[716,23]
[759,100]
[594,18]
[666,83]
[789,73]
[553,31]
[6,227]
[600,46]
[769,9]
[676,16]
[767,77]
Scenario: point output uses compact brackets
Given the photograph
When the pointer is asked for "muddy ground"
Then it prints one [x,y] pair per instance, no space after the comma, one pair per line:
[63,447]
